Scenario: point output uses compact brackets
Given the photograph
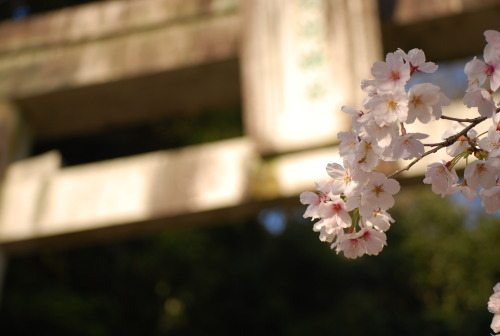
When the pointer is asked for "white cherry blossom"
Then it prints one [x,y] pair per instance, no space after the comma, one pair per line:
[383,135]
[478,71]
[324,186]
[465,190]
[373,240]
[327,231]
[342,176]
[408,146]
[381,220]
[313,200]
[367,155]
[334,212]
[391,74]
[424,103]
[494,301]
[475,70]
[389,107]
[356,116]
[491,142]
[379,191]
[416,59]
[441,178]
[490,199]
[349,143]
[482,99]
[350,245]
[493,38]
[494,307]
[495,323]
[480,173]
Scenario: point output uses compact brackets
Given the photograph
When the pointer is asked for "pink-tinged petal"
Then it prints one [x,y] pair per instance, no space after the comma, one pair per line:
[489,54]
[428,67]
[309,197]
[490,199]
[495,78]
[319,225]
[495,324]
[467,192]
[380,69]
[479,173]
[416,56]
[373,240]
[381,220]
[351,246]
[385,201]
[335,170]
[492,37]
[476,71]
[392,186]
[344,220]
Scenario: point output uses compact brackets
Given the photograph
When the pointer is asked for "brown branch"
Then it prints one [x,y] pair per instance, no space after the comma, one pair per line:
[457,119]
[445,143]
[464,119]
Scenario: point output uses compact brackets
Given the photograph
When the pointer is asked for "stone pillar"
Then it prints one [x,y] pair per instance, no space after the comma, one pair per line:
[22,196]
[300,62]
[355,42]
[22,181]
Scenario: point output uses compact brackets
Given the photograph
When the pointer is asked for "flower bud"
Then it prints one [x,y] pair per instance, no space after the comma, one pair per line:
[481,154]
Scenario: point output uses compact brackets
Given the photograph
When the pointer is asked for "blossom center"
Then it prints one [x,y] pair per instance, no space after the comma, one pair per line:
[336,207]
[489,69]
[378,190]
[392,104]
[395,75]
[417,100]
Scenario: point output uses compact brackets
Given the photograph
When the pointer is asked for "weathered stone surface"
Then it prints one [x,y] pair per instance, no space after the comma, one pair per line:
[300,65]
[104,20]
[40,200]
[113,40]
[22,196]
[105,64]
[133,101]
[444,38]
[407,11]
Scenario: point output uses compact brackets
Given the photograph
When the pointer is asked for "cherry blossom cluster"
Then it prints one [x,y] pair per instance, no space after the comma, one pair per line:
[483,173]
[351,205]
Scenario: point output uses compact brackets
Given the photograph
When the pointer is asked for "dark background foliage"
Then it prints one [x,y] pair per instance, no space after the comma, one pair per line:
[434,278]
[17,9]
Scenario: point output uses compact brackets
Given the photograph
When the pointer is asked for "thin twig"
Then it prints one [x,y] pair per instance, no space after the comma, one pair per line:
[468,120]
[457,119]
[471,143]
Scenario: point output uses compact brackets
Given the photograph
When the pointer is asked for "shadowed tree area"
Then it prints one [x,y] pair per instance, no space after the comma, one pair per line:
[434,278]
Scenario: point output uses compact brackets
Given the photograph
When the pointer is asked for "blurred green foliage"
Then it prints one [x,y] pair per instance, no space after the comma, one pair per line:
[434,278]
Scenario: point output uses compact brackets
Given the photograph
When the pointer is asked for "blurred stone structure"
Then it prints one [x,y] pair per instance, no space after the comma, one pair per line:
[290,64]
